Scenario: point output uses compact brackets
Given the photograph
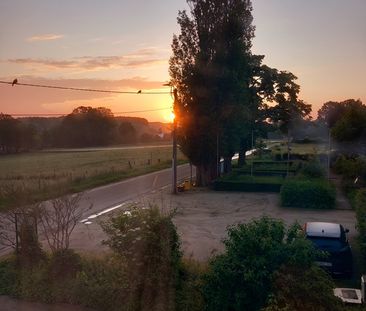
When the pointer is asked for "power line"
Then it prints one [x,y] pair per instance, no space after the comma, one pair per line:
[139,92]
[64,114]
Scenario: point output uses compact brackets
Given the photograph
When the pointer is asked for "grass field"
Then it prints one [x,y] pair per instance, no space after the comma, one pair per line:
[42,175]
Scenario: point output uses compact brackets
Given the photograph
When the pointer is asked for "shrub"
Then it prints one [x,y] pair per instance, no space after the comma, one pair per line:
[312,169]
[102,284]
[240,279]
[30,249]
[315,193]
[360,205]
[351,166]
[8,276]
[34,284]
[296,289]
[142,274]
[64,264]
[189,296]
[300,156]
[147,241]
[248,183]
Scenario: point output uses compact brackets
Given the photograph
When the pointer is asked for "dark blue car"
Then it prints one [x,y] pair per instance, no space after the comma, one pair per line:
[332,239]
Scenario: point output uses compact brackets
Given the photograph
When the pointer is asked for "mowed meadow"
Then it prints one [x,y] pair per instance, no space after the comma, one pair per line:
[31,177]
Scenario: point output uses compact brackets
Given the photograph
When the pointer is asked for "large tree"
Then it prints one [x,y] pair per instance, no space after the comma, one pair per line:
[9,134]
[222,87]
[87,126]
[16,135]
[346,119]
[288,108]
[211,69]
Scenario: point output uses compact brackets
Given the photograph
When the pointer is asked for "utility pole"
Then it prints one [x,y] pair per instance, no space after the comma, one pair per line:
[174,161]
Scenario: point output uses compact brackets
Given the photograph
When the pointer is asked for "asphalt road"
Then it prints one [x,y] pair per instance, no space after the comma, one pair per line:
[104,199]
[87,235]
[110,196]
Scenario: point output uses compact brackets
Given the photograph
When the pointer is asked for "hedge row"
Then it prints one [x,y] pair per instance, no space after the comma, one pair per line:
[249,184]
[308,193]
[360,206]
[269,168]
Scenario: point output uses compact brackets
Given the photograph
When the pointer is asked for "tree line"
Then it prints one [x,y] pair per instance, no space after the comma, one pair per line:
[84,127]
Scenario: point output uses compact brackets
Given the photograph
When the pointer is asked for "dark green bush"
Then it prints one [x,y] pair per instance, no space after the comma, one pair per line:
[35,284]
[142,274]
[63,264]
[300,156]
[351,167]
[8,276]
[146,240]
[314,193]
[189,296]
[296,289]
[360,205]
[236,182]
[241,278]
[312,169]
[103,285]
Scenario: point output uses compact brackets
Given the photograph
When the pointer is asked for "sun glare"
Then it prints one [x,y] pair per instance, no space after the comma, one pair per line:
[169,117]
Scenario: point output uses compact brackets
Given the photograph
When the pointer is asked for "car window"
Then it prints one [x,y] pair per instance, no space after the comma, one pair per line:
[327,244]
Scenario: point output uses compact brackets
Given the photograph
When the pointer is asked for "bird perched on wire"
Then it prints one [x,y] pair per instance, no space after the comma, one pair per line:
[139,92]
[15,81]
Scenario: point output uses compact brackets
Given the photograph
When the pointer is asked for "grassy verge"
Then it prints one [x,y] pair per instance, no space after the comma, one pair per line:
[33,177]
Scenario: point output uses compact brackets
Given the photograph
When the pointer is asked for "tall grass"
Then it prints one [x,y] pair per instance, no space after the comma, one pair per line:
[44,175]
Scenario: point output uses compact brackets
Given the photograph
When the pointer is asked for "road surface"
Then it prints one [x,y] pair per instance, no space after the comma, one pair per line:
[107,198]
[87,235]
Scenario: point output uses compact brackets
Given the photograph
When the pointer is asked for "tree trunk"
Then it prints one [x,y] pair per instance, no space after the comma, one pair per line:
[244,146]
[205,174]
[242,158]
[227,165]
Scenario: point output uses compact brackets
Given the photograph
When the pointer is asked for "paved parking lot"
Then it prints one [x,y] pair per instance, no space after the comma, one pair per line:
[203,216]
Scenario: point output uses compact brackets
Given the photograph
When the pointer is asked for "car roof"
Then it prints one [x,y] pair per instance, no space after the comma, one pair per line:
[323,229]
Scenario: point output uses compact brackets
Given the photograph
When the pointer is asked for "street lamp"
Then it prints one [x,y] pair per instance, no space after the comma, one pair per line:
[174,160]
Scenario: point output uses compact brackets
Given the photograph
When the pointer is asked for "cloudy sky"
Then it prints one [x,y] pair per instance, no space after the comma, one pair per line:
[125,45]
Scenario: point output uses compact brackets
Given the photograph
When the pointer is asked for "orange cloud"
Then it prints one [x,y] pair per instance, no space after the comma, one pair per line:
[44,37]
[140,58]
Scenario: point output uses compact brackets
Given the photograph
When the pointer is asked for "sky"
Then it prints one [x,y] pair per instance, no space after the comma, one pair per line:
[125,45]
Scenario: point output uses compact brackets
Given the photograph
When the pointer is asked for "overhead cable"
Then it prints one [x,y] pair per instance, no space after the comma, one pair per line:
[138,92]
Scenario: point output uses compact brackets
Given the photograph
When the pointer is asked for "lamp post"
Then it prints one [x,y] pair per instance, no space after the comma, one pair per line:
[174,160]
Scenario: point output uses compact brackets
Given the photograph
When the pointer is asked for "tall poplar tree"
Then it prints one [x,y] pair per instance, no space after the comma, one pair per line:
[212,67]
[222,87]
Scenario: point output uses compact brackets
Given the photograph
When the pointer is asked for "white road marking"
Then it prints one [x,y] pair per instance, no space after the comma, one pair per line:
[155,180]
[87,221]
